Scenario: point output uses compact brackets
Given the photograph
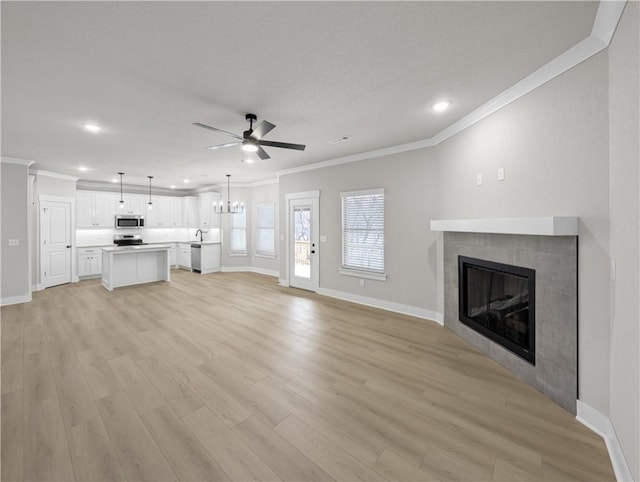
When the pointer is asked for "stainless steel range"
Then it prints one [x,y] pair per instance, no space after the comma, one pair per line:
[128,240]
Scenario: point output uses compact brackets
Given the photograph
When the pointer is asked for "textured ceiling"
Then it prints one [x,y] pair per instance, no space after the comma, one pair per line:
[145,71]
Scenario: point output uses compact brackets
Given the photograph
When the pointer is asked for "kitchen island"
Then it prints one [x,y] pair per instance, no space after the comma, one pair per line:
[130,265]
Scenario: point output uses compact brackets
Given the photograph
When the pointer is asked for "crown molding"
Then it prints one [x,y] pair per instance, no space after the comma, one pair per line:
[15,160]
[40,172]
[603,29]
[222,185]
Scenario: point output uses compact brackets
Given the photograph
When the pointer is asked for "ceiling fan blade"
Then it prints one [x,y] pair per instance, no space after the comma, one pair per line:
[262,129]
[283,145]
[215,129]
[222,146]
[262,154]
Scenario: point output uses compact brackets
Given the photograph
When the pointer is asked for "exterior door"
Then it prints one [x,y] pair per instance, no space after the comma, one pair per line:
[303,243]
[55,243]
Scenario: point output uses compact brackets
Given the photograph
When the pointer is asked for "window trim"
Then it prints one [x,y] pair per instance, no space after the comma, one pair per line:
[378,275]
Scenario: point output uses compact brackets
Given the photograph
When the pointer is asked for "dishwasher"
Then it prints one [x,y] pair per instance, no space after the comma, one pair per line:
[196,258]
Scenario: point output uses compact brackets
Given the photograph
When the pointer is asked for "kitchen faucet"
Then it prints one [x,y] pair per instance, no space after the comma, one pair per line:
[199,231]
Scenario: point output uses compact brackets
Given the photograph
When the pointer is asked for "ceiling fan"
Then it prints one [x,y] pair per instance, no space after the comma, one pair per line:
[251,140]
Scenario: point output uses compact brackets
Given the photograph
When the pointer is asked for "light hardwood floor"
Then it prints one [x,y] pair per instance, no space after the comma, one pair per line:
[230,377]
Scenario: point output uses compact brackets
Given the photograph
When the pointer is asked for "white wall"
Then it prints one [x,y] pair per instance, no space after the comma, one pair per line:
[15,283]
[624,220]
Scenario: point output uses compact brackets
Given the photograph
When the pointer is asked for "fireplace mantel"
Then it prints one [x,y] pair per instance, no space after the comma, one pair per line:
[541,226]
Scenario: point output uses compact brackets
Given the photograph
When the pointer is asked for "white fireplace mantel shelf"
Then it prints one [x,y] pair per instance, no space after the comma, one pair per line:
[543,226]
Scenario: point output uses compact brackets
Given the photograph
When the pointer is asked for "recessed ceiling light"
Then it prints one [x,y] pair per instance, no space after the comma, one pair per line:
[88,126]
[173,186]
[248,161]
[114,180]
[186,181]
[441,105]
[83,168]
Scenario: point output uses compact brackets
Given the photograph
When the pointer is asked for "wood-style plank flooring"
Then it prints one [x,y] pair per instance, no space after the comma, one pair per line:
[230,377]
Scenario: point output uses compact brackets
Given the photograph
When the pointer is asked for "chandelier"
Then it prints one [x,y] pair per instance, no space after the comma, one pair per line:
[230,208]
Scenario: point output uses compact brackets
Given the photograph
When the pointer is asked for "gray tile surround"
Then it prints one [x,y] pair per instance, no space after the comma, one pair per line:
[555,261]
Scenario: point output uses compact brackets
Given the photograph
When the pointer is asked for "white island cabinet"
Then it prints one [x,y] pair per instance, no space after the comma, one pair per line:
[130,265]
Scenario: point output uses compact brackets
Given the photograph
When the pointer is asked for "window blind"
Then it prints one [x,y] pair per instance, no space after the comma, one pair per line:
[266,232]
[238,232]
[363,230]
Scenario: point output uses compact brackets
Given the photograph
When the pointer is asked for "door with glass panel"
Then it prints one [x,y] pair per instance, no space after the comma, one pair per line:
[303,243]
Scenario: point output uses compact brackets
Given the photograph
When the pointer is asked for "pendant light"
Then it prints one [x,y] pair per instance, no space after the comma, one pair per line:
[121,203]
[150,204]
[231,208]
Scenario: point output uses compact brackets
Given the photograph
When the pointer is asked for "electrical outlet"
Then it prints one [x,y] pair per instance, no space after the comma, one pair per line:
[478,179]
[501,174]
[14,242]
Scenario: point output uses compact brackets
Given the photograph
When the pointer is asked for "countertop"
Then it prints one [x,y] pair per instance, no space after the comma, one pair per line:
[145,247]
[169,241]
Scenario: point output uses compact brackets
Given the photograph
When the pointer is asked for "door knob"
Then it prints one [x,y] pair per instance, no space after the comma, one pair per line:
[68,246]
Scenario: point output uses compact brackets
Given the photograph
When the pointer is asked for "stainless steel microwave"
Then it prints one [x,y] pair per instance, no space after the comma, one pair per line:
[129,221]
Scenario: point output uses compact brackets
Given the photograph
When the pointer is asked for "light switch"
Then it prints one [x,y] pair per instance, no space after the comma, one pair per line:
[478,179]
[14,242]
[501,174]
[323,239]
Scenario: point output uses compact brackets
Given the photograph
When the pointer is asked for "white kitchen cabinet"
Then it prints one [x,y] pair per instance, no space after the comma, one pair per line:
[184,255]
[190,211]
[208,217]
[166,212]
[133,204]
[95,209]
[89,262]
[210,258]
[173,255]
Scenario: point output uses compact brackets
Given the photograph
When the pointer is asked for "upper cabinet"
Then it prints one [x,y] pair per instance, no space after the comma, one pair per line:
[190,211]
[133,204]
[208,216]
[95,209]
[166,212]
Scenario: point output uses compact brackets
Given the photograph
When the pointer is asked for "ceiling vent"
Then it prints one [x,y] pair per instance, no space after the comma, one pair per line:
[339,139]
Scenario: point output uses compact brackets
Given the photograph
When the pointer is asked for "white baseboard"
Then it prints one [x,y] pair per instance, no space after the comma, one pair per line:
[36,287]
[14,300]
[283,282]
[601,424]
[385,305]
[250,269]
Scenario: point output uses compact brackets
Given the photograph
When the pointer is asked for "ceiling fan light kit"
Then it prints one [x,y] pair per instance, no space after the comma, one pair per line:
[251,139]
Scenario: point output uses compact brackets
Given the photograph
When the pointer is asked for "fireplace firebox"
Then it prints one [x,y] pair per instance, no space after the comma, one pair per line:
[498,301]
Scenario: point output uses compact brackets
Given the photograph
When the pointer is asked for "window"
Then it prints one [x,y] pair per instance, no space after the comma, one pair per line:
[238,233]
[266,230]
[363,234]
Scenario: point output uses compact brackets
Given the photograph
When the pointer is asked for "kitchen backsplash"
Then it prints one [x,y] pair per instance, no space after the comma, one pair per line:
[93,237]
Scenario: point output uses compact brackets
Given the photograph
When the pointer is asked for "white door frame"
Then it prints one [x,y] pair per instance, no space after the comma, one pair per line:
[72,201]
[288,198]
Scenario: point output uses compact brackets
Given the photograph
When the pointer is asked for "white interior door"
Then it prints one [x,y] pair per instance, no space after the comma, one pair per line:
[304,254]
[55,243]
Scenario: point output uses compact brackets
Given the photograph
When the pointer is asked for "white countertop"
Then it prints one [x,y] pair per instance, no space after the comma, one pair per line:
[152,243]
[145,247]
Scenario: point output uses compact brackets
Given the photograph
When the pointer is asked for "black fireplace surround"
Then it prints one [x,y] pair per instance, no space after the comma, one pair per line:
[498,301]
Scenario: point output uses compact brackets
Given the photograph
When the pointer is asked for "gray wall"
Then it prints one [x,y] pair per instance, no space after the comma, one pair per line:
[553,144]
[251,196]
[624,218]
[411,194]
[15,260]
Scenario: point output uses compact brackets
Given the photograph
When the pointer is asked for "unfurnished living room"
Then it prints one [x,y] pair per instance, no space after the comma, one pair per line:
[320,241]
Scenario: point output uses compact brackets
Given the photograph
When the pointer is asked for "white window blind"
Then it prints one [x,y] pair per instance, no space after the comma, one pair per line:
[238,232]
[363,230]
[266,230]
